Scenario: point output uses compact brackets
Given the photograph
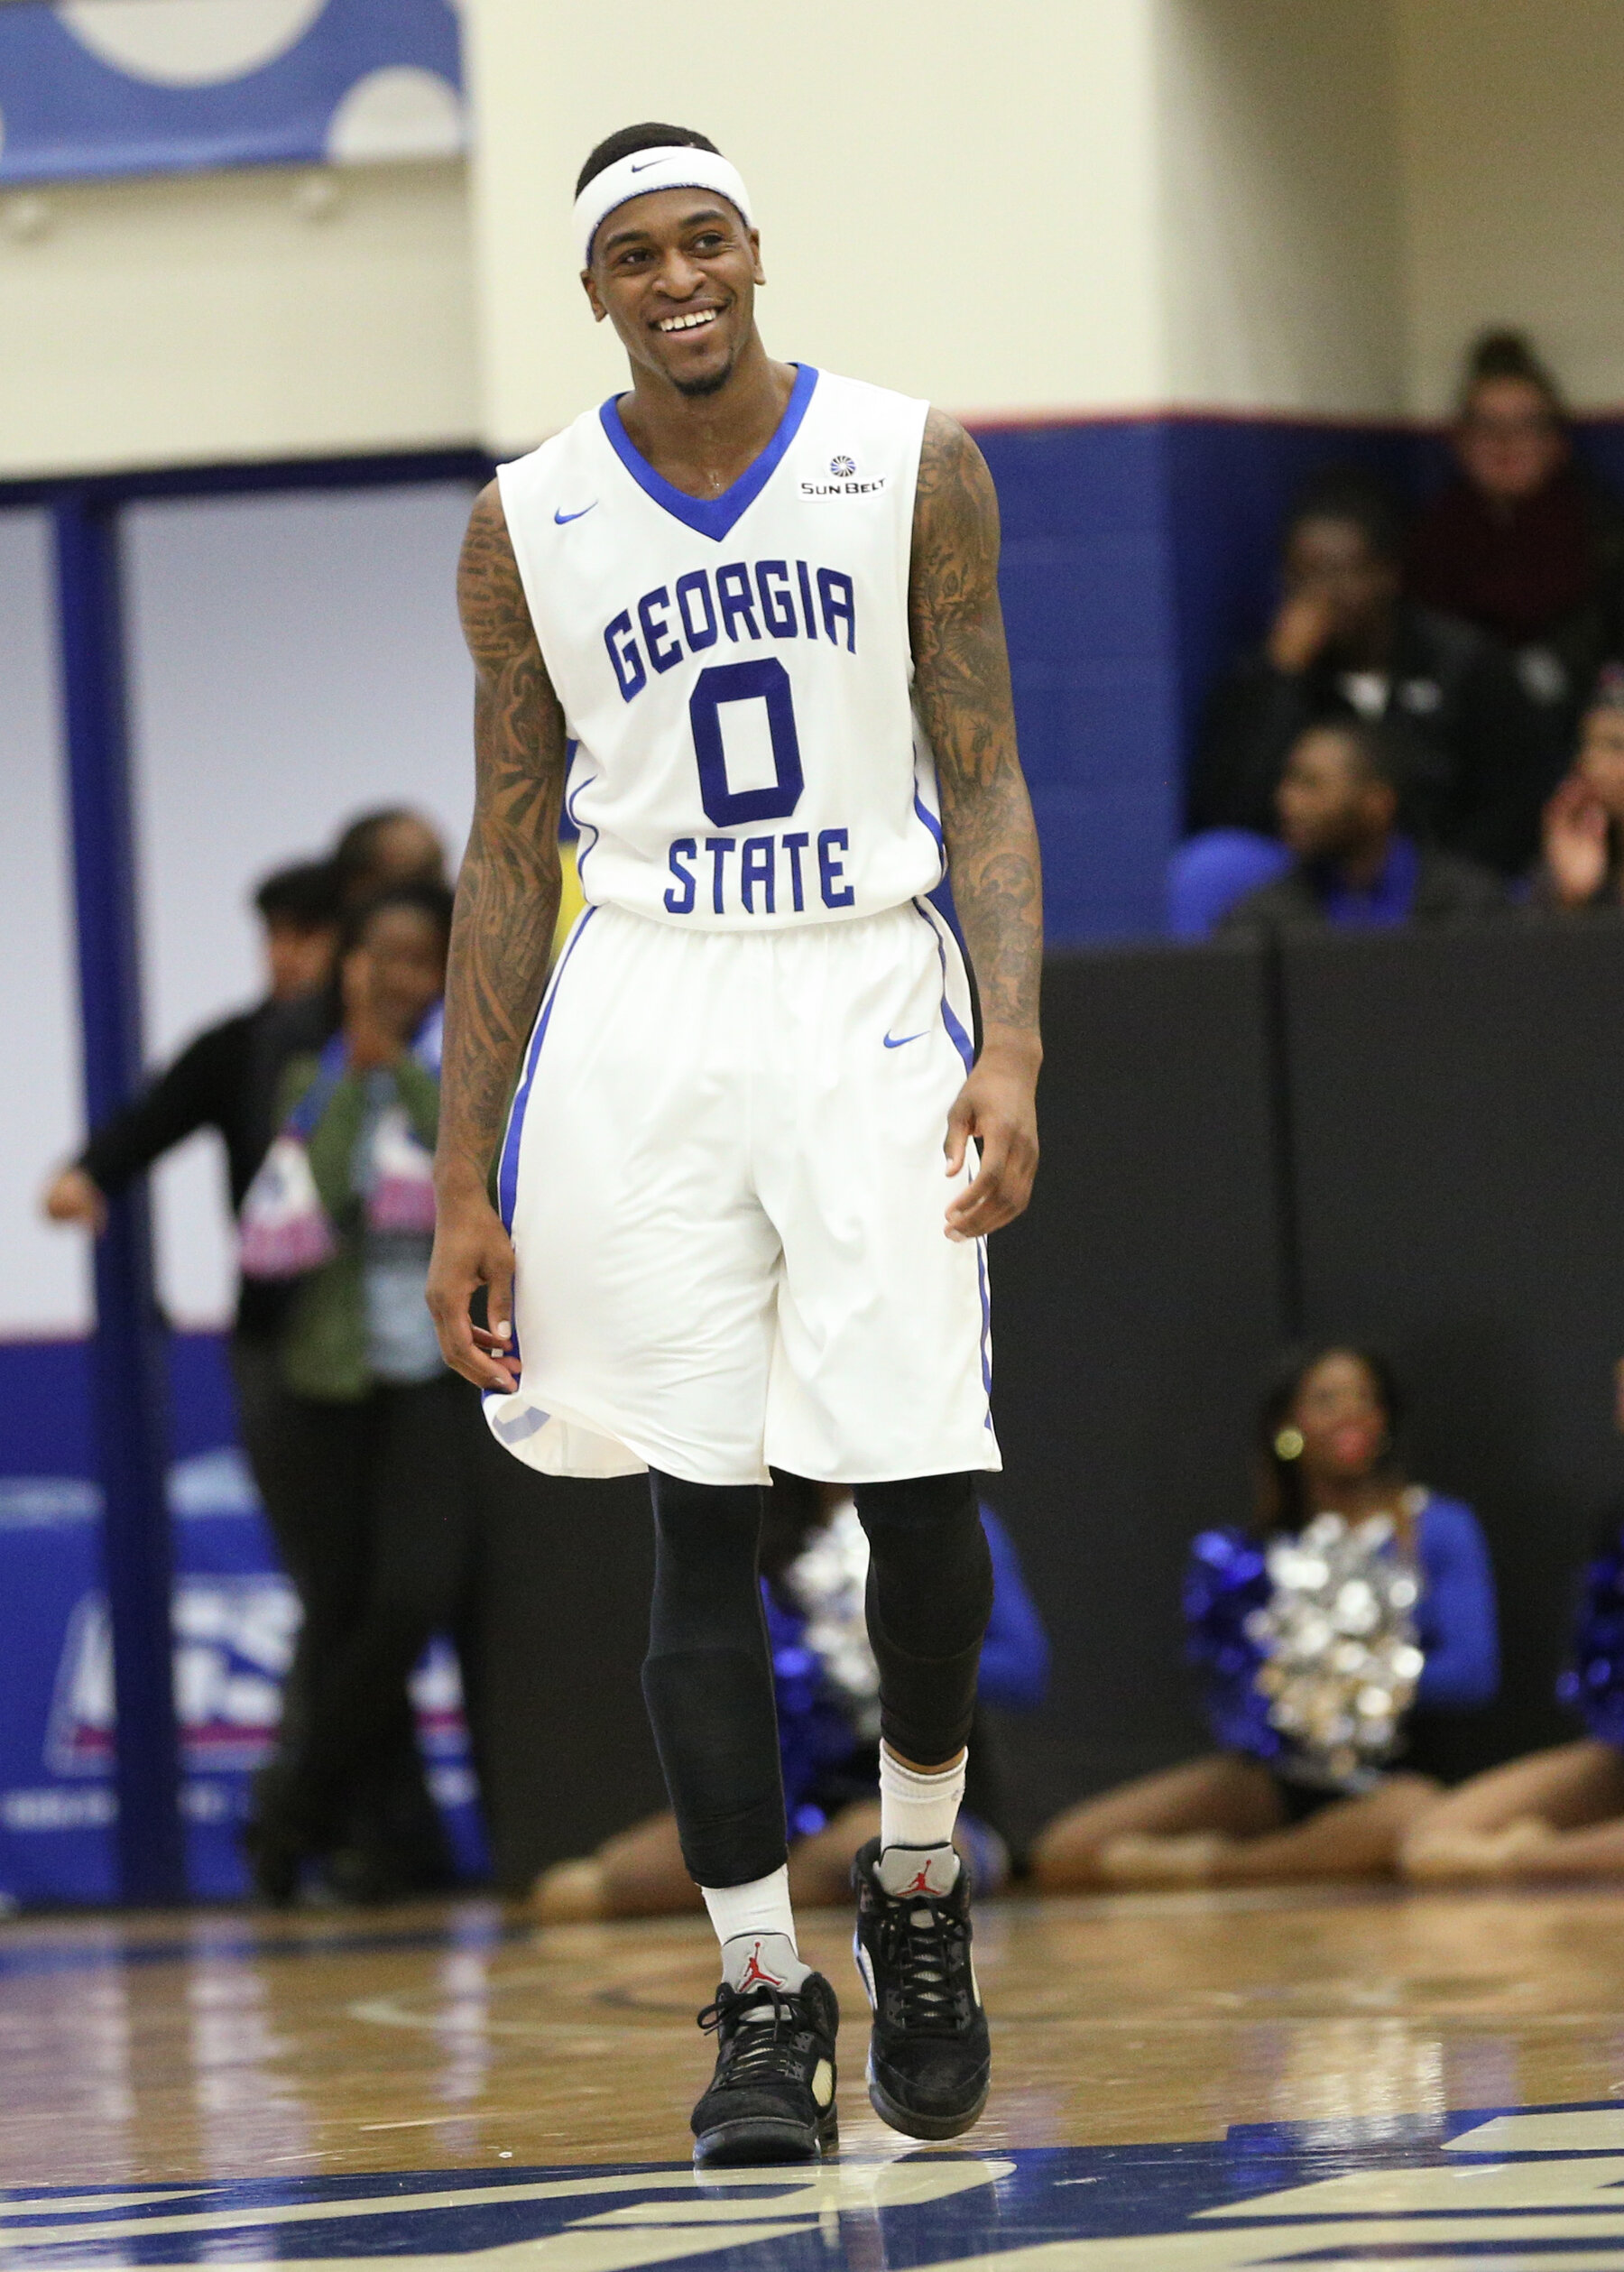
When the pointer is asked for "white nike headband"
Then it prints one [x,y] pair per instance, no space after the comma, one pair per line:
[664,169]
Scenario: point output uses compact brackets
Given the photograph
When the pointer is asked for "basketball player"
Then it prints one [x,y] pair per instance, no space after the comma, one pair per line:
[751,609]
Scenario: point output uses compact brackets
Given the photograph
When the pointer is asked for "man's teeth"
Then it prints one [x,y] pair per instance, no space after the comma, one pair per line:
[689,323]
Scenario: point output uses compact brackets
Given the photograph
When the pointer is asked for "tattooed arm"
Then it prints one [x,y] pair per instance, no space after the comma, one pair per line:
[962,687]
[507,904]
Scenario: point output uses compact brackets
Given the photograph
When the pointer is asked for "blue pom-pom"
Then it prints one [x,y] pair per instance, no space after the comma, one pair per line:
[814,1733]
[1227,1579]
[1593,1683]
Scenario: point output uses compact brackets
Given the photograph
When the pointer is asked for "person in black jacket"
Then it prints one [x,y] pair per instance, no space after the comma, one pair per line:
[1345,641]
[1354,868]
[225,1078]
[228,1079]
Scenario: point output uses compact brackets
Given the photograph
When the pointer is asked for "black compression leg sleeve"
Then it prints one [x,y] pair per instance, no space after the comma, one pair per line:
[929,1596]
[707,1682]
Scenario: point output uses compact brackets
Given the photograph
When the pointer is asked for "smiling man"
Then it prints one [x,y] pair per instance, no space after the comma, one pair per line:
[751,611]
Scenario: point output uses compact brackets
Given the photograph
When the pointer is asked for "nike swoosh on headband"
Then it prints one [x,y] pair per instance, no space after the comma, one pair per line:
[650,162]
[562,517]
[902,1039]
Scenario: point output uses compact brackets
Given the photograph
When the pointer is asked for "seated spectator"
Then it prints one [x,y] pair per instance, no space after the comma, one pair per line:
[1523,542]
[1208,874]
[1345,642]
[1583,862]
[377,1438]
[815,1561]
[1353,868]
[1559,1813]
[1364,1586]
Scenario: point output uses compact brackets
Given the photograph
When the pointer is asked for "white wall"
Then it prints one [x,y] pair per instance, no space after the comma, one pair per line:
[1253,204]
[1280,236]
[44,1272]
[257,314]
[1513,154]
[955,200]
[295,660]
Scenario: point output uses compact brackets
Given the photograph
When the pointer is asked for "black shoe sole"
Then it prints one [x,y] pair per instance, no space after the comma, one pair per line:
[926,2126]
[759,2142]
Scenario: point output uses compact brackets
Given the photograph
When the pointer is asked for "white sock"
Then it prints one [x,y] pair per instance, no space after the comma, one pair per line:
[756,1927]
[918,1811]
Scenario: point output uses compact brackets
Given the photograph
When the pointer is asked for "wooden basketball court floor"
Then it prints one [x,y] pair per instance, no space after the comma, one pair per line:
[1183,2083]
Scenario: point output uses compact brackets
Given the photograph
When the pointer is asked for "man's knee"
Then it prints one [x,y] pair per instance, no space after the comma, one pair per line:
[706,1585]
[929,1597]
[931,1568]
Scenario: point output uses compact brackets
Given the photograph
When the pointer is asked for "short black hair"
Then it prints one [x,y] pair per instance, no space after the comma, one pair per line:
[1509,355]
[1383,749]
[651,135]
[357,843]
[1350,494]
[423,896]
[354,856]
[304,896]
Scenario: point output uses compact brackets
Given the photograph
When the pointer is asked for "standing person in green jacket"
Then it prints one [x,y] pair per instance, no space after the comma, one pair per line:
[381,1435]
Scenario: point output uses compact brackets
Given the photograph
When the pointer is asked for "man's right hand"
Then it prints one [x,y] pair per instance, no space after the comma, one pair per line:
[1574,836]
[72,1196]
[471,1248]
[1300,631]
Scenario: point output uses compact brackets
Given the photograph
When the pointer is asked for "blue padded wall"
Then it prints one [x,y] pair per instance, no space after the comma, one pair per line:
[1088,601]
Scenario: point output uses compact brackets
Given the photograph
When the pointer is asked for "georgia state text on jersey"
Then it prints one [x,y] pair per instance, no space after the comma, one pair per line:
[735,672]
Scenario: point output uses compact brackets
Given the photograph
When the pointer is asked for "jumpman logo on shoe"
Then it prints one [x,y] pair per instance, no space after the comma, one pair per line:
[922,1884]
[756,1975]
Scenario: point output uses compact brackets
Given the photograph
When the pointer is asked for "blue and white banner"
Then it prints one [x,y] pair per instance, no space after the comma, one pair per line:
[234,1621]
[116,87]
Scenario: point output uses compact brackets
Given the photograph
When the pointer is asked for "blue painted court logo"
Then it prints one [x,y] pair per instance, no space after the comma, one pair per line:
[1519,2189]
[842,467]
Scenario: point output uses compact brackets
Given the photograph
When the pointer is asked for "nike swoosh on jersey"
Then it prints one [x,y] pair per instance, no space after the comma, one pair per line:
[562,517]
[901,1040]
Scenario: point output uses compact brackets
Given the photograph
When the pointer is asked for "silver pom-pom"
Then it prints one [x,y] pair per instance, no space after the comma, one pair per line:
[827,1582]
[1338,1637]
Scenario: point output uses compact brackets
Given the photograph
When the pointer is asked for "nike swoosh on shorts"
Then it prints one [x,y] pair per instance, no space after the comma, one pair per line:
[562,517]
[902,1039]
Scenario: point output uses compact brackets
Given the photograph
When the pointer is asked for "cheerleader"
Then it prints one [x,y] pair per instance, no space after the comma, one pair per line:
[814,1581]
[1557,1813]
[1358,1596]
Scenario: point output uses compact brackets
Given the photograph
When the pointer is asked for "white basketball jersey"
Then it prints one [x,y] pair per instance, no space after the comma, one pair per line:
[735,672]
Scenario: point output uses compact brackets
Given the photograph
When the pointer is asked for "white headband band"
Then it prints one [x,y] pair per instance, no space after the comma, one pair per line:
[646,170]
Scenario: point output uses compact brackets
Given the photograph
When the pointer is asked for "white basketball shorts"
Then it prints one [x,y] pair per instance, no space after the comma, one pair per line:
[724,1177]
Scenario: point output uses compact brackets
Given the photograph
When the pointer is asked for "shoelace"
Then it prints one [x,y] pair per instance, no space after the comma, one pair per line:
[917,1937]
[760,2049]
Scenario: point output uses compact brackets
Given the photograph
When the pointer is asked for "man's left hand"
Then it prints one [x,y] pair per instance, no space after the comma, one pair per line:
[998,1109]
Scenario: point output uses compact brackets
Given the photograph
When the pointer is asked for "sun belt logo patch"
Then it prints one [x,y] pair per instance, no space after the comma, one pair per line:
[841,468]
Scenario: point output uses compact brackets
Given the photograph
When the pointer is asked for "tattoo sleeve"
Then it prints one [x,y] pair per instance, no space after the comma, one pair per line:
[507,894]
[962,688]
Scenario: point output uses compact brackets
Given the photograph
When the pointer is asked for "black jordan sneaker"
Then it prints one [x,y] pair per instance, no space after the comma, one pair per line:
[771,2098]
[930,2063]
